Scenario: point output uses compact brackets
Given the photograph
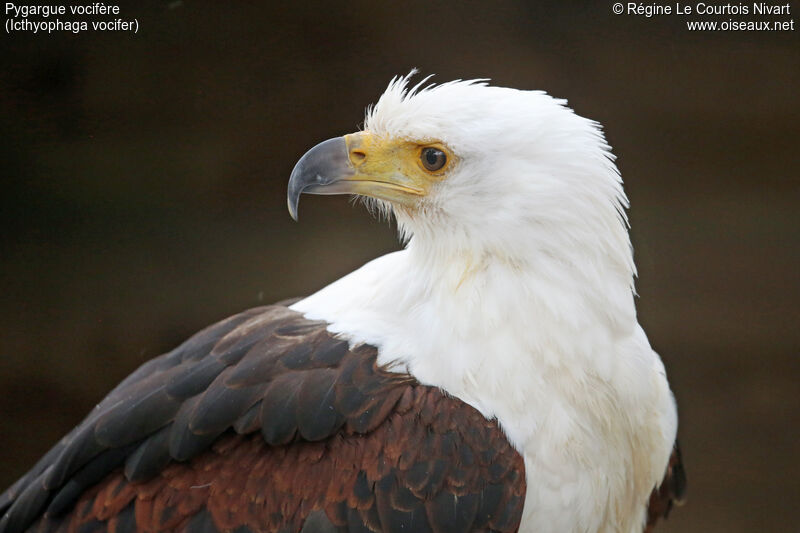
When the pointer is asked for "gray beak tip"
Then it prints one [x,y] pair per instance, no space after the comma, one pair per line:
[320,168]
[293,207]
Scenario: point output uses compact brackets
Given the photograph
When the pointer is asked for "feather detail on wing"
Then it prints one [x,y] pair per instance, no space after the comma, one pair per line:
[672,490]
[266,421]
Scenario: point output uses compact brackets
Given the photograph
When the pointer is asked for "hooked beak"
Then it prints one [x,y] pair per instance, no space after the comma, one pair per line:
[353,164]
[318,172]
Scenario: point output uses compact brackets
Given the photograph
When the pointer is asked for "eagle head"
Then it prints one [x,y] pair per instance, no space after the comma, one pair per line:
[465,166]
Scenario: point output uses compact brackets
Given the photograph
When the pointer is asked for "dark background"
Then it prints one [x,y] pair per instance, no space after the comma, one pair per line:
[143,197]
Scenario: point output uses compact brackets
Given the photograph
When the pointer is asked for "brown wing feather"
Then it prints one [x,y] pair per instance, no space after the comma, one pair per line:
[406,475]
[672,490]
[267,422]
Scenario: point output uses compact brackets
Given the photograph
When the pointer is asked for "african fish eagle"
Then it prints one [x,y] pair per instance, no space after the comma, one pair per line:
[490,376]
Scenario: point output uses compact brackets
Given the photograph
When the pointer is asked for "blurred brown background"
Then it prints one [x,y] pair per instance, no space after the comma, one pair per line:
[143,197]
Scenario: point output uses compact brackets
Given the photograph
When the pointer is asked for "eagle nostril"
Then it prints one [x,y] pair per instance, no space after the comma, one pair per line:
[357,157]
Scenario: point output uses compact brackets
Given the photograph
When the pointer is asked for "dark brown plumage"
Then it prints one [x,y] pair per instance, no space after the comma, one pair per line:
[672,490]
[266,422]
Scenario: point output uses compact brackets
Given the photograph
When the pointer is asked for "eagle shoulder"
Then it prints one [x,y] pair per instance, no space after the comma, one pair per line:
[266,421]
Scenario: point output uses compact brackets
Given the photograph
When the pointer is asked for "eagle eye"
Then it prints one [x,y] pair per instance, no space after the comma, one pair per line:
[432,159]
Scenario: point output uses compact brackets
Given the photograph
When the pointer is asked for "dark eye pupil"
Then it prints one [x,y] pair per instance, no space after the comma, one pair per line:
[433,159]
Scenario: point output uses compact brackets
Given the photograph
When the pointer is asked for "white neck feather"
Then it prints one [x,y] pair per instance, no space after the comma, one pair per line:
[434,310]
[547,343]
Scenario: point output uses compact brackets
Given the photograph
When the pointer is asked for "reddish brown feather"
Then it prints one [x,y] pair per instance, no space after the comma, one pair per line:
[395,455]
[241,481]
[671,491]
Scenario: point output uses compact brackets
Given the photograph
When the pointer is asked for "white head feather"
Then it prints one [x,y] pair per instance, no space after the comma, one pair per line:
[535,182]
